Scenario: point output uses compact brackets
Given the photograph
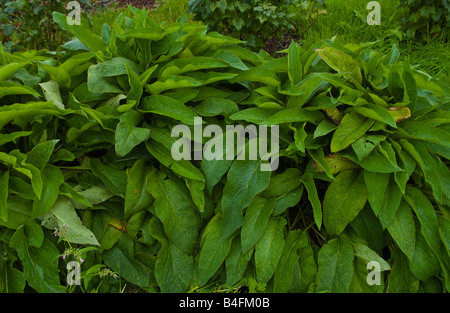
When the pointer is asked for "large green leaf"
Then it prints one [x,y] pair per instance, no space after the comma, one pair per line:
[425,264]
[283,276]
[53,179]
[341,63]
[402,229]
[269,248]
[376,113]
[426,214]
[295,70]
[313,197]
[167,106]
[52,93]
[174,207]
[335,266]
[344,198]
[137,197]
[351,128]
[28,112]
[245,181]
[425,132]
[101,76]
[213,250]
[12,279]
[4,184]
[368,255]
[8,69]
[236,262]
[181,66]
[376,183]
[41,153]
[391,201]
[282,183]
[121,260]
[128,135]
[173,269]
[255,220]
[295,115]
[401,280]
[304,272]
[92,41]
[160,146]
[114,179]
[39,258]
[64,217]
[435,171]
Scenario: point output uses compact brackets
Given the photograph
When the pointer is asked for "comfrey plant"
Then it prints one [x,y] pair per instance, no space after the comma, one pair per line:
[85,147]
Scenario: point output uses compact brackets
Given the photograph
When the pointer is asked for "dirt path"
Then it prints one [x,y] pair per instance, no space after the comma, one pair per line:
[149,4]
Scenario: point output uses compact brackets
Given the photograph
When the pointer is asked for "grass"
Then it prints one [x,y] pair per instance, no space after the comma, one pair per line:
[345,19]
[432,58]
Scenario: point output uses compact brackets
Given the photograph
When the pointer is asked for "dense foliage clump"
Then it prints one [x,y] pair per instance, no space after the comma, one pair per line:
[426,18]
[29,24]
[255,21]
[87,173]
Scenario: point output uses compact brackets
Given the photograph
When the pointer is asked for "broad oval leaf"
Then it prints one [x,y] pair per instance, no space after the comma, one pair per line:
[351,128]
[64,217]
[344,198]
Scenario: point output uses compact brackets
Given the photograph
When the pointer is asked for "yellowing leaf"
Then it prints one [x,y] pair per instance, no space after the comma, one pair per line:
[341,63]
